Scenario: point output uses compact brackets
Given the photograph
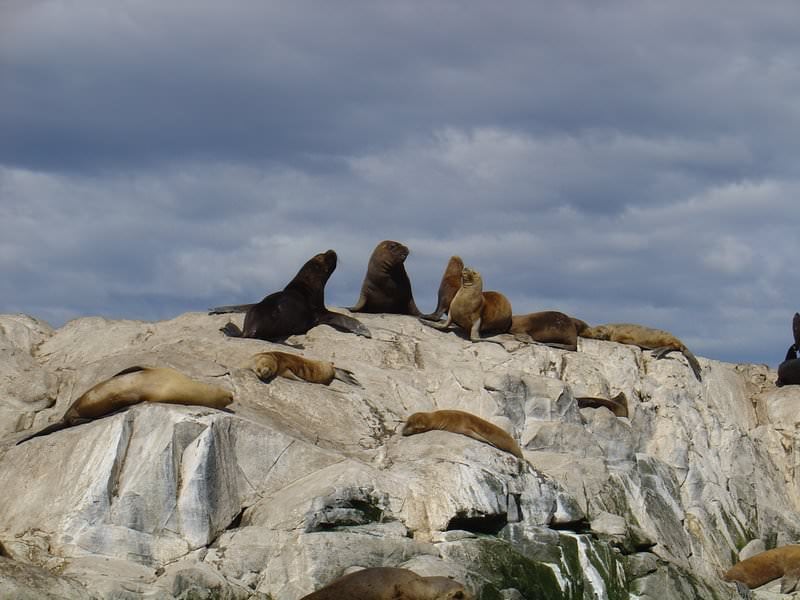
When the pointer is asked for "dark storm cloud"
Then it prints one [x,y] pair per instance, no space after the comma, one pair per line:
[621,161]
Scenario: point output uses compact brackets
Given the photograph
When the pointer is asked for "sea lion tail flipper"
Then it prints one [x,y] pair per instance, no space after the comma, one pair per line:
[434,316]
[345,323]
[743,590]
[359,305]
[230,308]
[346,376]
[231,330]
[659,353]
[693,363]
[436,324]
[58,426]
[130,370]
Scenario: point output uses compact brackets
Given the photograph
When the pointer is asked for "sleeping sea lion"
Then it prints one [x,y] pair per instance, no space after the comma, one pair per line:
[474,310]
[298,307]
[659,341]
[134,385]
[549,327]
[768,566]
[386,287]
[459,421]
[268,365]
[451,281]
[390,583]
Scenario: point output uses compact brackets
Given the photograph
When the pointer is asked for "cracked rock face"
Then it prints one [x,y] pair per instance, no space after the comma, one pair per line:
[639,481]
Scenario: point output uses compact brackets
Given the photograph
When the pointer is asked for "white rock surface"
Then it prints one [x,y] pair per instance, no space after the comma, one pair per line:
[300,482]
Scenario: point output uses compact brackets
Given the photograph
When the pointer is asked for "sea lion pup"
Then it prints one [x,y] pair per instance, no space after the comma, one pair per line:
[390,583]
[549,327]
[134,385]
[268,365]
[459,421]
[386,287]
[474,310]
[451,281]
[768,566]
[298,307]
[659,341]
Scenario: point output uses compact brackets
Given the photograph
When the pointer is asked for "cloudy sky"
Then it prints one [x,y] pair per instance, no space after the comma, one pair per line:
[620,160]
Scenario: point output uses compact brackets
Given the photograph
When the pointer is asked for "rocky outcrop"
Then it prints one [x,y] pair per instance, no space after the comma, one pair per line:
[300,482]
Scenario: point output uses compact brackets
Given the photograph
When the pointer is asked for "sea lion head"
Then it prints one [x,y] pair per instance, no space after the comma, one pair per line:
[416,423]
[320,266]
[389,254]
[601,332]
[470,277]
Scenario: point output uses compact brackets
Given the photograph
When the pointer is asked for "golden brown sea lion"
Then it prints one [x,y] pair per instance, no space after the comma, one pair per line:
[386,287]
[295,309]
[549,327]
[474,310]
[451,281]
[390,583]
[135,385]
[767,566]
[659,341]
[459,421]
[268,365]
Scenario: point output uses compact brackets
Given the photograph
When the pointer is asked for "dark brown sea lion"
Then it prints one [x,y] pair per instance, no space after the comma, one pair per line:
[451,281]
[135,385]
[659,341]
[459,421]
[549,327]
[476,311]
[386,287]
[789,369]
[768,566]
[298,307]
[268,365]
[390,583]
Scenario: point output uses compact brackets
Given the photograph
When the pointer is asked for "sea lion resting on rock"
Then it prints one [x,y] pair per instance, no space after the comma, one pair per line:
[386,287]
[549,327]
[297,308]
[767,566]
[459,421]
[451,281]
[390,583]
[268,365]
[659,341]
[135,385]
[476,311]
[789,369]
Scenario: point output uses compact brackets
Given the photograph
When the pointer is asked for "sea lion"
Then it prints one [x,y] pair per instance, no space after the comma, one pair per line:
[386,287]
[134,385]
[659,341]
[549,327]
[268,365]
[451,281]
[390,583]
[298,307]
[789,369]
[474,310]
[459,421]
[768,566]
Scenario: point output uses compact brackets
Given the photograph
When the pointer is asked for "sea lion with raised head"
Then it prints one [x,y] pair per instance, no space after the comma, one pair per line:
[451,281]
[133,386]
[390,583]
[386,287]
[459,421]
[789,369]
[268,365]
[474,310]
[549,327]
[768,566]
[298,307]
[659,341]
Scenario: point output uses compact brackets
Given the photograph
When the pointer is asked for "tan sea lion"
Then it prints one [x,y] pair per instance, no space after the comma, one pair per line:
[659,341]
[268,365]
[459,421]
[386,287]
[476,311]
[768,566]
[390,583]
[451,281]
[134,385]
[549,327]
[297,308]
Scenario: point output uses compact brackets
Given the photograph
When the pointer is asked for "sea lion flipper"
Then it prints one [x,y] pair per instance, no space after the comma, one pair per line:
[231,330]
[743,590]
[344,323]
[230,308]
[346,376]
[360,304]
[791,353]
[57,426]
[659,353]
[133,369]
